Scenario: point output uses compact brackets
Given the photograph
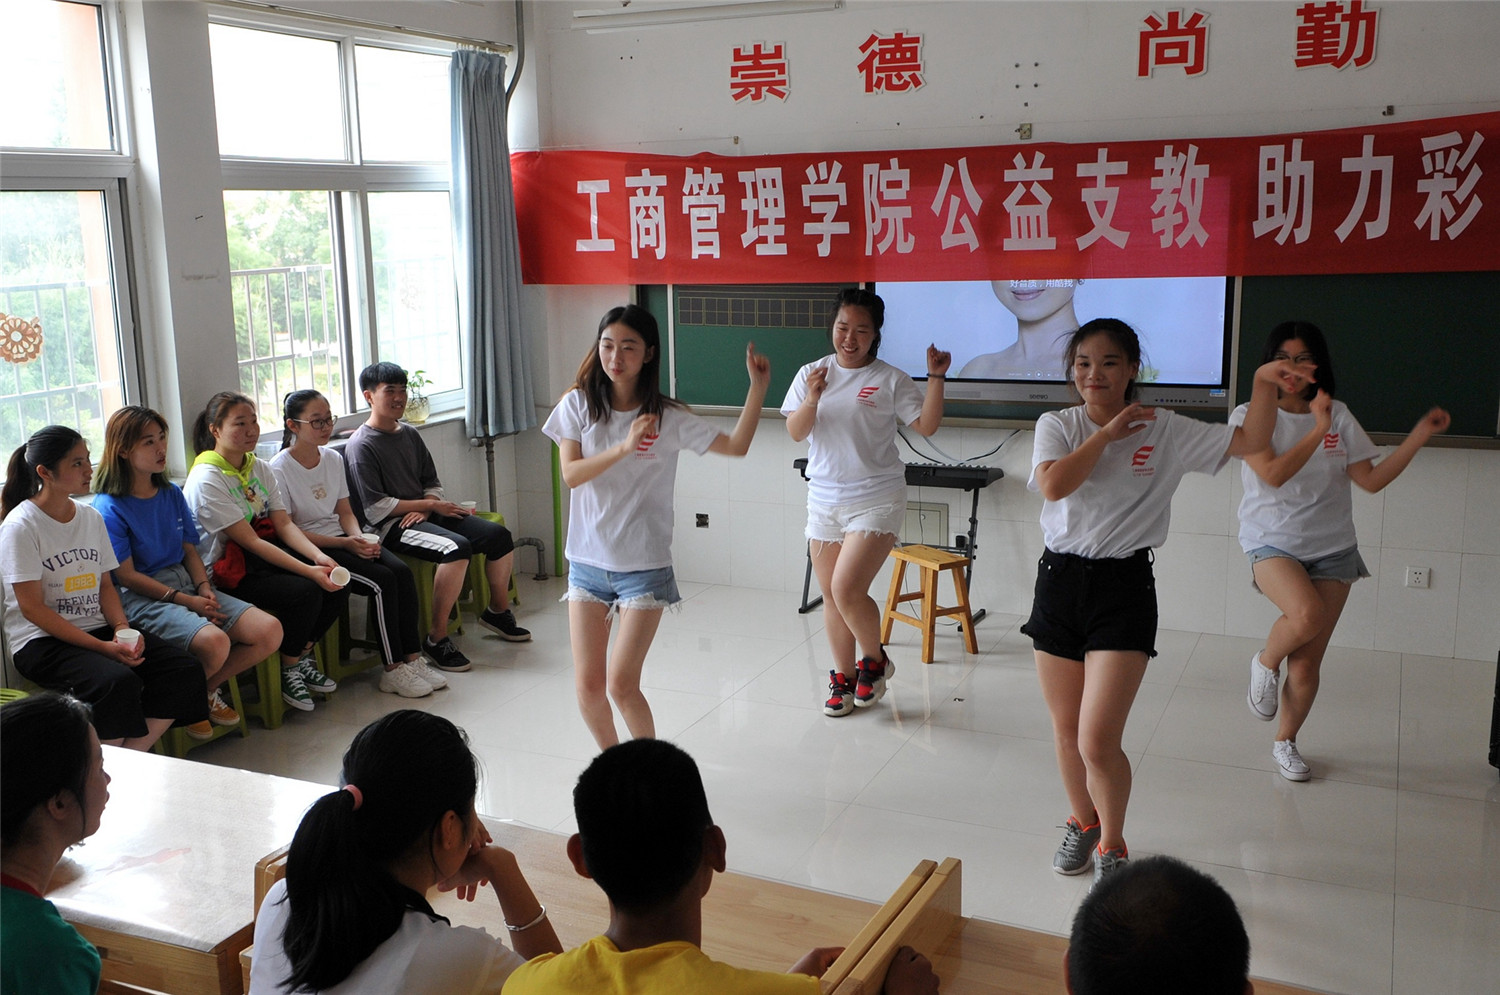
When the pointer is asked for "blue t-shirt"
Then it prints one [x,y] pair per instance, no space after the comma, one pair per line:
[150,531]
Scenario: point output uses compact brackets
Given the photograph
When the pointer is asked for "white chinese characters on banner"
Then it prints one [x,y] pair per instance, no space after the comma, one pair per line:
[883,189]
[1282,205]
[765,209]
[1101,200]
[1028,222]
[1449,184]
[648,221]
[594,243]
[703,202]
[824,193]
[1368,164]
[1174,42]
[959,228]
[1180,180]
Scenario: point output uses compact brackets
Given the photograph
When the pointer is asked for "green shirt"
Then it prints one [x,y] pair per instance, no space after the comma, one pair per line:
[39,952]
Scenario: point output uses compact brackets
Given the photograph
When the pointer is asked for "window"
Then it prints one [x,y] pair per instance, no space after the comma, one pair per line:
[337,204]
[66,341]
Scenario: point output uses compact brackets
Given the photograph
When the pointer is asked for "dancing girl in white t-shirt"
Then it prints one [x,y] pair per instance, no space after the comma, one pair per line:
[618,438]
[1107,470]
[849,405]
[1297,528]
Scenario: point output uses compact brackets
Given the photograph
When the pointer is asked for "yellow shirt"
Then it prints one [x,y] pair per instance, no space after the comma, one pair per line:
[597,968]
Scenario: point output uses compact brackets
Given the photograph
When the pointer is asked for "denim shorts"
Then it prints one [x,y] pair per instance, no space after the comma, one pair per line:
[622,588]
[881,515]
[177,624]
[1346,565]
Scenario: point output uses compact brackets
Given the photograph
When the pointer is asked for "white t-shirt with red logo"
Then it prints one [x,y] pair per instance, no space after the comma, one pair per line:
[1126,502]
[622,519]
[1312,514]
[852,455]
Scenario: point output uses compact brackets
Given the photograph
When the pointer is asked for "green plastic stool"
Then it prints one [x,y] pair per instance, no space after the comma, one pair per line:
[8,695]
[476,585]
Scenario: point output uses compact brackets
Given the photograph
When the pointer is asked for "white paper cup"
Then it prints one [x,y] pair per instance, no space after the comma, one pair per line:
[339,575]
[128,638]
[370,537]
[468,505]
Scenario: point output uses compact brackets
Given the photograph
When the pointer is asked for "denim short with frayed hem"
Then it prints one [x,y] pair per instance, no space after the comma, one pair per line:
[1346,565]
[636,589]
[883,515]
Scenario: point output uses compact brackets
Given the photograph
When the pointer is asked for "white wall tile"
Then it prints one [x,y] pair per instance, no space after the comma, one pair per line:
[1424,507]
[1412,620]
[1478,635]
[1356,626]
[1482,504]
[757,553]
[1005,567]
[1202,504]
[699,555]
[1190,592]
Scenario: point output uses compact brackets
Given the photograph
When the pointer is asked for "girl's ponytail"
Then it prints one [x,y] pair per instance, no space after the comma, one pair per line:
[47,447]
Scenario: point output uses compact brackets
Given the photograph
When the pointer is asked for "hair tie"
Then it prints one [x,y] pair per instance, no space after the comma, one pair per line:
[359,796]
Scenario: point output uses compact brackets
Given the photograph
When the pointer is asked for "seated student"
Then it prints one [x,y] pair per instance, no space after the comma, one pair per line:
[50,799]
[645,836]
[164,586]
[351,916]
[1157,925]
[403,499]
[252,547]
[62,610]
[316,490]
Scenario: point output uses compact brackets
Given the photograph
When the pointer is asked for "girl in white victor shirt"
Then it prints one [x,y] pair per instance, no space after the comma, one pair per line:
[618,438]
[1107,470]
[850,405]
[1297,528]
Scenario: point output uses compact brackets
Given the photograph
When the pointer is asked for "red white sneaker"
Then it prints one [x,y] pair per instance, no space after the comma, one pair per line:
[840,695]
[870,687]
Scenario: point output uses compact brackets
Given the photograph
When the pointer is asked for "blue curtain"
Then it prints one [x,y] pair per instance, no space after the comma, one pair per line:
[487,251]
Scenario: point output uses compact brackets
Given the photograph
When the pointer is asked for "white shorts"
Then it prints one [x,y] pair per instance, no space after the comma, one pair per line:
[881,515]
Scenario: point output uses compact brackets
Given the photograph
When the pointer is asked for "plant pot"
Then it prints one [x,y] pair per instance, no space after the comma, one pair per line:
[417,409]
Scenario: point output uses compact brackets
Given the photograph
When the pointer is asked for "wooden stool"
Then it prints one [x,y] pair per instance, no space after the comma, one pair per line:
[930,561]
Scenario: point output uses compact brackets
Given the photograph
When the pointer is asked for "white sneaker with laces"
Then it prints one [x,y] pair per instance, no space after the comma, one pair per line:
[428,674]
[1264,690]
[1292,766]
[404,681]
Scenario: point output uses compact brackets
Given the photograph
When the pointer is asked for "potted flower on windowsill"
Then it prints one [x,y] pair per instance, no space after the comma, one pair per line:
[417,405]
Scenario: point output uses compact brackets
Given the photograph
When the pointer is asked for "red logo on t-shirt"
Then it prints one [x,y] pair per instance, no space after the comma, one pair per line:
[1141,456]
[643,448]
[1331,441]
[865,393]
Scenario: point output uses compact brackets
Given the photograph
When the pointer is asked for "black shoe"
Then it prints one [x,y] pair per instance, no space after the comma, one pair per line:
[503,624]
[444,655]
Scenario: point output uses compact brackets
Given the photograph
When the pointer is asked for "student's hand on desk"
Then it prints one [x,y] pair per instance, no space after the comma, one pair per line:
[816,961]
[758,365]
[910,974]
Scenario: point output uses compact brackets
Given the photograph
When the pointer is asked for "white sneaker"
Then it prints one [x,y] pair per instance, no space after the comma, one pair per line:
[1264,690]
[1289,760]
[428,674]
[404,681]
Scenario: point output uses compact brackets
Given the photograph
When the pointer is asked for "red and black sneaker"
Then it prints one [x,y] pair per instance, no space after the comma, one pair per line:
[870,687]
[840,695]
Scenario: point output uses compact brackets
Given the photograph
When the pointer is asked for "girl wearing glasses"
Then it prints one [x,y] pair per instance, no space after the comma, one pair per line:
[164,586]
[316,490]
[1297,528]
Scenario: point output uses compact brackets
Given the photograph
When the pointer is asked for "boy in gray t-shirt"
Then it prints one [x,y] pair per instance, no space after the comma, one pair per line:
[398,485]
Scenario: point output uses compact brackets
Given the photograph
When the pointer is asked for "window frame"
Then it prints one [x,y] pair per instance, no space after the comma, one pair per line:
[353,177]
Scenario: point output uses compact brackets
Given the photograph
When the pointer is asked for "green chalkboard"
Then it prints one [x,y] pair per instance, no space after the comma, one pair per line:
[1401,342]
[711,324]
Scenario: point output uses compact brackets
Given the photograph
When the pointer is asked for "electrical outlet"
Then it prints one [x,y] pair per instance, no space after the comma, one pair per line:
[702,521]
[1418,577]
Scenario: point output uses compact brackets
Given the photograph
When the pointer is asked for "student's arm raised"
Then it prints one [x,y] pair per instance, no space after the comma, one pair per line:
[1277,468]
[1260,419]
[799,424]
[931,417]
[578,469]
[1373,477]
[738,442]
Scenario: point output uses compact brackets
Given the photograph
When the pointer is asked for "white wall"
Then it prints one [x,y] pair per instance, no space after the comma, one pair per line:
[664,90]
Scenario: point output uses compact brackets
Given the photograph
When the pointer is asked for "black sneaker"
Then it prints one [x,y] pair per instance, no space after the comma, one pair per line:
[503,624]
[444,655]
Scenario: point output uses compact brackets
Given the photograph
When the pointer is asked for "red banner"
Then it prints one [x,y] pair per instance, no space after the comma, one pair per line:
[1413,197]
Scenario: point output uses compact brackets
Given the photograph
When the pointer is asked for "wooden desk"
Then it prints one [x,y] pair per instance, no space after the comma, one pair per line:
[164,889]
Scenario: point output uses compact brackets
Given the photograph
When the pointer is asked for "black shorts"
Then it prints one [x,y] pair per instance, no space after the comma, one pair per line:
[1082,605]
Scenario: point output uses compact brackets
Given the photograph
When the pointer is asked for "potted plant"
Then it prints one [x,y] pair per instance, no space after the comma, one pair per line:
[417,406]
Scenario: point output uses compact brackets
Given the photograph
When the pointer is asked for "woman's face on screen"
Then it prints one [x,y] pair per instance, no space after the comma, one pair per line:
[1033,300]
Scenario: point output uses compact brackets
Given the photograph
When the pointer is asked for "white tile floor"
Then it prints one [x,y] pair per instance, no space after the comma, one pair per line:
[1381,874]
